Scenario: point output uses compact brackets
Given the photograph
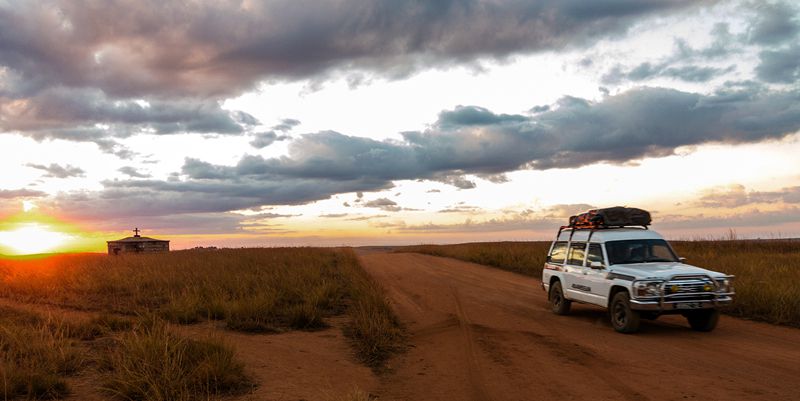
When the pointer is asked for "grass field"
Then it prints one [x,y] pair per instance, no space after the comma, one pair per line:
[767,272]
[251,290]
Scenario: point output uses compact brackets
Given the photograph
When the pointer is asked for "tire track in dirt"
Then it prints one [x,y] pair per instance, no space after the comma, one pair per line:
[481,333]
[474,370]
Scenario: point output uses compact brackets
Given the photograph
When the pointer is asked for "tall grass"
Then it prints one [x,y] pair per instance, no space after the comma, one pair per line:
[36,353]
[253,290]
[767,275]
[257,290]
[374,328]
[519,257]
[767,272]
[152,363]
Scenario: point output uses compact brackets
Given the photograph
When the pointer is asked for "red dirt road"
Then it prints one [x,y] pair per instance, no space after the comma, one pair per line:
[479,333]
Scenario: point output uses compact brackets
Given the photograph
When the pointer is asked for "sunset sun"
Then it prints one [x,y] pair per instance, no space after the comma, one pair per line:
[30,238]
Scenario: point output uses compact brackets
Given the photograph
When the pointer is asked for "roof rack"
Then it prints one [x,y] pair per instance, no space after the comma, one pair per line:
[594,228]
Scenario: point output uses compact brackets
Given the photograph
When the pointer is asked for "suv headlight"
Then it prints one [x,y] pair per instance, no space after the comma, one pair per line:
[647,288]
[724,285]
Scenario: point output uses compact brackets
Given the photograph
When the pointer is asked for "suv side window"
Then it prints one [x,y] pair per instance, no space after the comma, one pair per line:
[577,251]
[595,254]
[559,252]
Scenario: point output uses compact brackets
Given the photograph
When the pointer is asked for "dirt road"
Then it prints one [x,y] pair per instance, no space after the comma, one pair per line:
[479,333]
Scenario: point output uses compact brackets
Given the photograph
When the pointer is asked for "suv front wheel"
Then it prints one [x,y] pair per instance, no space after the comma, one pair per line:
[558,303]
[623,318]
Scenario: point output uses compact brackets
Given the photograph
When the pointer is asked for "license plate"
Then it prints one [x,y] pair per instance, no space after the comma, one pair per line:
[688,305]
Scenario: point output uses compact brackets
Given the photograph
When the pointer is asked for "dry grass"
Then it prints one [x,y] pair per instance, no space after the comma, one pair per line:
[253,290]
[256,290]
[374,329]
[35,355]
[767,275]
[767,272]
[152,363]
[519,257]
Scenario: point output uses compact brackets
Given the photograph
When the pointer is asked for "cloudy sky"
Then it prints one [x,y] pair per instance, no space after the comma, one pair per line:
[259,123]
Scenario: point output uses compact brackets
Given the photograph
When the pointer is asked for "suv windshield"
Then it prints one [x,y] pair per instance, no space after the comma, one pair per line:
[639,251]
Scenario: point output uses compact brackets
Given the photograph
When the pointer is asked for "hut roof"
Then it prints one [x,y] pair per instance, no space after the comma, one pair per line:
[139,239]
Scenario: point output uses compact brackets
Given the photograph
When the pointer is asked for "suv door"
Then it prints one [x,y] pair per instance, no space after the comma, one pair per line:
[575,287]
[594,279]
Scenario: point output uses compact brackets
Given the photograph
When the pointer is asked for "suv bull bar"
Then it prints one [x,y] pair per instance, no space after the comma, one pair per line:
[679,302]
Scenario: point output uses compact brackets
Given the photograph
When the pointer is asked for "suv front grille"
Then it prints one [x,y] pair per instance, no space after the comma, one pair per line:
[689,288]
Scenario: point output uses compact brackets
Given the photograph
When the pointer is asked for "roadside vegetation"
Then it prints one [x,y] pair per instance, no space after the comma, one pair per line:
[130,347]
[519,257]
[767,272]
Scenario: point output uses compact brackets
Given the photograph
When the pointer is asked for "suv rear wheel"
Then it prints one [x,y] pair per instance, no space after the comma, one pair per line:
[558,303]
[623,318]
[703,320]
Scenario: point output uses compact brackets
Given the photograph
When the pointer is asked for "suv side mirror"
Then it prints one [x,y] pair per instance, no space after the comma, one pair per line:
[681,259]
[549,259]
[596,265]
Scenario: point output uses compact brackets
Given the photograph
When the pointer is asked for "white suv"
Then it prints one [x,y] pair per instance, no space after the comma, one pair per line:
[634,273]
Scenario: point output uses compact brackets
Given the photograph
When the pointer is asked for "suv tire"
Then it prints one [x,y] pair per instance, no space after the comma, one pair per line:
[558,303]
[704,320]
[623,318]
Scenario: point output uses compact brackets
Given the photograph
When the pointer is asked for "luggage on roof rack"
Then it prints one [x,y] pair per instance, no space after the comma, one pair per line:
[611,217]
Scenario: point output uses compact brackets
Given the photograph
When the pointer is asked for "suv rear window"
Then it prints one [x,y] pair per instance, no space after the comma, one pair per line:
[577,251]
[559,252]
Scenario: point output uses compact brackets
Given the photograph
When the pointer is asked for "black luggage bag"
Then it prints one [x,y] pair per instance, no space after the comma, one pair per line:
[618,216]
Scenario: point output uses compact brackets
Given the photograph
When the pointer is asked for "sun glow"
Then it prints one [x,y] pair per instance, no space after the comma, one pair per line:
[27,206]
[30,238]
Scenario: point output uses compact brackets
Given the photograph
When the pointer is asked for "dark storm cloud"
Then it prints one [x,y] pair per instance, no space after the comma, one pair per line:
[638,123]
[775,23]
[20,193]
[160,198]
[780,66]
[685,63]
[646,71]
[464,116]
[219,48]
[82,70]
[59,171]
[773,31]
[645,122]
[60,108]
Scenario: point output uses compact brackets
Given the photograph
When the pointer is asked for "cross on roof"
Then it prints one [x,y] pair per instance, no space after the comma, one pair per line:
[136,231]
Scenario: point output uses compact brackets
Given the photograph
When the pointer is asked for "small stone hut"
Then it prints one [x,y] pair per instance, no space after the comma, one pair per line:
[137,244]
